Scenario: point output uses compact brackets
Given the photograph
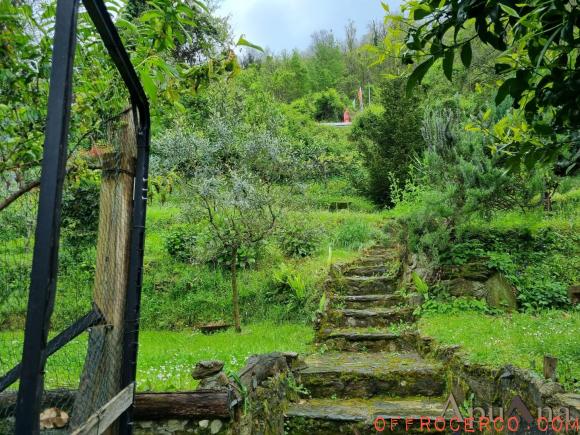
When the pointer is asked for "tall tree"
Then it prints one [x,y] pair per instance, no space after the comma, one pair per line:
[326,64]
[389,139]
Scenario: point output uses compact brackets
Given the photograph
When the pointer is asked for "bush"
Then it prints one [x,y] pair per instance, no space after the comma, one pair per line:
[80,211]
[180,244]
[328,106]
[454,306]
[288,289]
[298,240]
[389,139]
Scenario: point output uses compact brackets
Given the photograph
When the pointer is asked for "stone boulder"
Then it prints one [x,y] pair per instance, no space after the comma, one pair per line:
[205,369]
[500,293]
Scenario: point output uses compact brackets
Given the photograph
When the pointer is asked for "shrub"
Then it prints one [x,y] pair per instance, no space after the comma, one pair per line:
[328,106]
[388,139]
[80,211]
[454,306]
[298,240]
[180,244]
[287,288]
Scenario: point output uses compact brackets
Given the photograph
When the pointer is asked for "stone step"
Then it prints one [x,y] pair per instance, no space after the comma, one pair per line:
[370,301]
[368,270]
[363,375]
[368,339]
[357,416]
[372,317]
[380,251]
[369,285]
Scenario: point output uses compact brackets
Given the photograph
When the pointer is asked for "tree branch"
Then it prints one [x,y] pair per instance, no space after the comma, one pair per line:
[14,196]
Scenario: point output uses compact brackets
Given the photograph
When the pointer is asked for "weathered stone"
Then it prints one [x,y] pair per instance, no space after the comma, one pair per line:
[370,301]
[215,426]
[204,424]
[351,375]
[205,369]
[375,317]
[500,293]
[415,300]
[215,382]
[369,285]
[176,425]
[369,270]
[360,340]
[464,287]
[357,416]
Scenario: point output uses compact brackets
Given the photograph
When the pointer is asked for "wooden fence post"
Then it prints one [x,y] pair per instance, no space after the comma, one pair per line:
[550,366]
[100,380]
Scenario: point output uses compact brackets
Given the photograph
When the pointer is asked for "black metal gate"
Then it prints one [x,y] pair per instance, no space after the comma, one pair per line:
[36,347]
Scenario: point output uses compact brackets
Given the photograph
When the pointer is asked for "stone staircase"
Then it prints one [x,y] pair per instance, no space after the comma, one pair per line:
[367,364]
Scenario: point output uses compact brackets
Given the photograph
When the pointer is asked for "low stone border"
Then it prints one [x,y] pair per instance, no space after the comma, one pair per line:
[496,387]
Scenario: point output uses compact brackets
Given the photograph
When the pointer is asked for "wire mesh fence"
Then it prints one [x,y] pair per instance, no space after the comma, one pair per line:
[71,258]
[16,244]
[97,209]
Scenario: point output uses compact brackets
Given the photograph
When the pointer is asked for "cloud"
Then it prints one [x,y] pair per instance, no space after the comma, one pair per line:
[287,24]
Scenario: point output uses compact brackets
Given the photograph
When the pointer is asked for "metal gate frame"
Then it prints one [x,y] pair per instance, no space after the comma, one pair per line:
[45,261]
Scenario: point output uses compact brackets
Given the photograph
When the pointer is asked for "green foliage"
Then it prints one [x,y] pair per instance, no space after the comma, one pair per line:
[536,54]
[80,210]
[166,357]
[327,64]
[328,106]
[288,288]
[355,234]
[388,139]
[180,244]
[452,306]
[420,285]
[297,239]
[541,265]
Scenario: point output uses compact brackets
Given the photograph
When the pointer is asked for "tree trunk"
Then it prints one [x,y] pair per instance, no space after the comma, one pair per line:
[547,200]
[235,293]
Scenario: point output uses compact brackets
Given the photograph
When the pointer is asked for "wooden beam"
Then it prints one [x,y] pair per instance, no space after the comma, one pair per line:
[101,420]
[198,404]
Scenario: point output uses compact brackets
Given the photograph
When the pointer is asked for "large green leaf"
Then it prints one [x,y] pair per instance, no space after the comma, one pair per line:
[417,75]
[504,90]
[243,42]
[466,54]
[448,63]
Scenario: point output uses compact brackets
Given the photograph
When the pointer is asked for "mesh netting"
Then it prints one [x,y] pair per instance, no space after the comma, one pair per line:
[97,206]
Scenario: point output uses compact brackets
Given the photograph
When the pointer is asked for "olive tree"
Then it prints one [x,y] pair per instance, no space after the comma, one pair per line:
[237,179]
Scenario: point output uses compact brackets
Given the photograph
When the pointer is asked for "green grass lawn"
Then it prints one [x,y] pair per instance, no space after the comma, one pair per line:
[167,358]
[520,339]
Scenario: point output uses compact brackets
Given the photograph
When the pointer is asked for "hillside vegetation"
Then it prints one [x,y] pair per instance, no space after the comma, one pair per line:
[253,198]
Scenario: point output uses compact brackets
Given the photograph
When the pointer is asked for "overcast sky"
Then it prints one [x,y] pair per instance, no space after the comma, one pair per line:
[288,24]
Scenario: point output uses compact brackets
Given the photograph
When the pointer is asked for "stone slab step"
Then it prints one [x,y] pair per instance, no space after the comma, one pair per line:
[369,285]
[370,301]
[366,270]
[365,339]
[372,317]
[364,375]
[329,416]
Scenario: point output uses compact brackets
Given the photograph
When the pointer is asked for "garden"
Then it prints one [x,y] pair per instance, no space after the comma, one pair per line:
[462,161]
